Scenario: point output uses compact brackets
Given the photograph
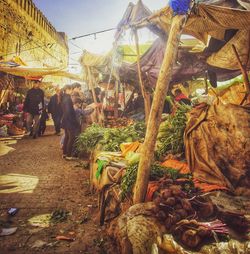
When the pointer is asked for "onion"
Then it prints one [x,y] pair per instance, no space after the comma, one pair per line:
[190,238]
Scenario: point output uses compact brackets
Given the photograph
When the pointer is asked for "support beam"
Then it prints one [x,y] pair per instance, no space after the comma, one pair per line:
[206,84]
[243,70]
[91,86]
[162,87]
[116,99]
[145,94]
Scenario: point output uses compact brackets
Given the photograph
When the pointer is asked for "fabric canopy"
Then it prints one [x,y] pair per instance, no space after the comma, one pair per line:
[216,19]
[225,21]
[24,71]
[136,13]
[189,65]
[96,63]
[207,18]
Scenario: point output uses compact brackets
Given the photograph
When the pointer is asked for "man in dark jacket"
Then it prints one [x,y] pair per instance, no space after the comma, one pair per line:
[55,109]
[69,122]
[33,105]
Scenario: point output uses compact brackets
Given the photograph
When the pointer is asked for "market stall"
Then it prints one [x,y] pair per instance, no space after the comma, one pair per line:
[181,186]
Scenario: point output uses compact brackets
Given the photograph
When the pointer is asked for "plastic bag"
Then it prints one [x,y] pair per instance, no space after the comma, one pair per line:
[4,131]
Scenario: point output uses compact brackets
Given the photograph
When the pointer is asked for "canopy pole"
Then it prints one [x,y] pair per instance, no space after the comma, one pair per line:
[116,98]
[243,70]
[91,85]
[162,87]
[206,84]
[146,96]
[96,115]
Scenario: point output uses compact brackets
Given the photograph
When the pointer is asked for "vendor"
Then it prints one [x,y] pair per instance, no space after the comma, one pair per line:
[181,97]
[137,103]
[33,105]
[55,109]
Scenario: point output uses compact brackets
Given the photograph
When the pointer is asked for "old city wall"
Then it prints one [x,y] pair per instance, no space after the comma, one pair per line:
[25,32]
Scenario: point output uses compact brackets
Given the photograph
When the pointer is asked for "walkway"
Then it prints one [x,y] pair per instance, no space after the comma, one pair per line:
[36,180]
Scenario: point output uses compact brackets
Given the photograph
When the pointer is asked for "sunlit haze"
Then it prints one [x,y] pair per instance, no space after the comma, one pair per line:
[79,17]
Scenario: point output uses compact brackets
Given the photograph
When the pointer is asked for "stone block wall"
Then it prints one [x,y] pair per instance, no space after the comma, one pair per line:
[26,32]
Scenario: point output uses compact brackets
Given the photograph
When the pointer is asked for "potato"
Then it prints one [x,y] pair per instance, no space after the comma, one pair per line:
[170,201]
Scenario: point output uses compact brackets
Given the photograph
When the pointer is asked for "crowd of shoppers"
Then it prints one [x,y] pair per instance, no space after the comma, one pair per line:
[67,109]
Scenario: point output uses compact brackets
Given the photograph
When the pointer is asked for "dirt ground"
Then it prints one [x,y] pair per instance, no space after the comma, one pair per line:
[36,180]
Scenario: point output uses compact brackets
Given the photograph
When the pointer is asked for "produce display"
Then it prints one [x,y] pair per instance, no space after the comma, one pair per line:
[109,138]
[190,217]
[157,171]
[112,122]
[170,136]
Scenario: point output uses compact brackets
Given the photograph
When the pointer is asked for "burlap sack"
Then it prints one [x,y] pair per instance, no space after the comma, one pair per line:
[217,144]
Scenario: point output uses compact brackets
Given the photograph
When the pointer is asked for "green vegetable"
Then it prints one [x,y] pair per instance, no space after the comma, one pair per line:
[132,157]
[157,171]
[170,137]
[109,138]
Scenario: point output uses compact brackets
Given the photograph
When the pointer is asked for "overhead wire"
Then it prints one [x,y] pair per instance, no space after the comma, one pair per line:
[94,33]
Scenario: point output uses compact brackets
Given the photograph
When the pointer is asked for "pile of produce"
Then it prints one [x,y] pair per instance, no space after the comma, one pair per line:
[157,172]
[173,204]
[190,217]
[109,138]
[170,137]
[118,122]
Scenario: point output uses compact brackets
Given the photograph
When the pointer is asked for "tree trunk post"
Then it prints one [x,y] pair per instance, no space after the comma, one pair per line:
[116,98]
[91,85]
[162,87]
[243,70]
[145,95]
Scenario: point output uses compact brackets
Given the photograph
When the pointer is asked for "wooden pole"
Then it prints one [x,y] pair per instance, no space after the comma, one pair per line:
[162,87]
[206,84]
[243,70]
[124,95]
[96,117]
[127,104]
[116,99]
[145,95]
[91,85]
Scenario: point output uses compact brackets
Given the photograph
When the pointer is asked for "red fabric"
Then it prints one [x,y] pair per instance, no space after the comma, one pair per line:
[39,78]
[206,187]
[182,167]
[180,97]
[152,188]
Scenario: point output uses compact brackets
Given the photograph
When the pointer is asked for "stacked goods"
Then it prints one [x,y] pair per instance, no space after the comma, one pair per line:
[191,218]
[118,122]
[173,204]
[192,233]
[170,137]
[157,172]
[88,140]
[109,138]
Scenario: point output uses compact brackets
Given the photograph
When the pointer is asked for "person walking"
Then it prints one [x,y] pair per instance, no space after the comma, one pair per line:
[76,92]
[33,106]
[55,109]
[69,122]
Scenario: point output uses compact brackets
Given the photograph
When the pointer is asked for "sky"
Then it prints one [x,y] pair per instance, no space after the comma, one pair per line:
[78,17]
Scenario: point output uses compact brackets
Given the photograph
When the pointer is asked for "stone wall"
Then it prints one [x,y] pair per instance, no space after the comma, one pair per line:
[26,32]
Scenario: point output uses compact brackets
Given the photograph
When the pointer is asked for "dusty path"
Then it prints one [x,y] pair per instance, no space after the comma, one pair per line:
[36,180]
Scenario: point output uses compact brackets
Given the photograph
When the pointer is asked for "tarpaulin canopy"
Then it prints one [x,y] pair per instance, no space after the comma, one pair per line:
[15,61]
[94,60]
[208,18]
[136,13]
[225,21]
[189,65]
[128,52]
[24,71]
